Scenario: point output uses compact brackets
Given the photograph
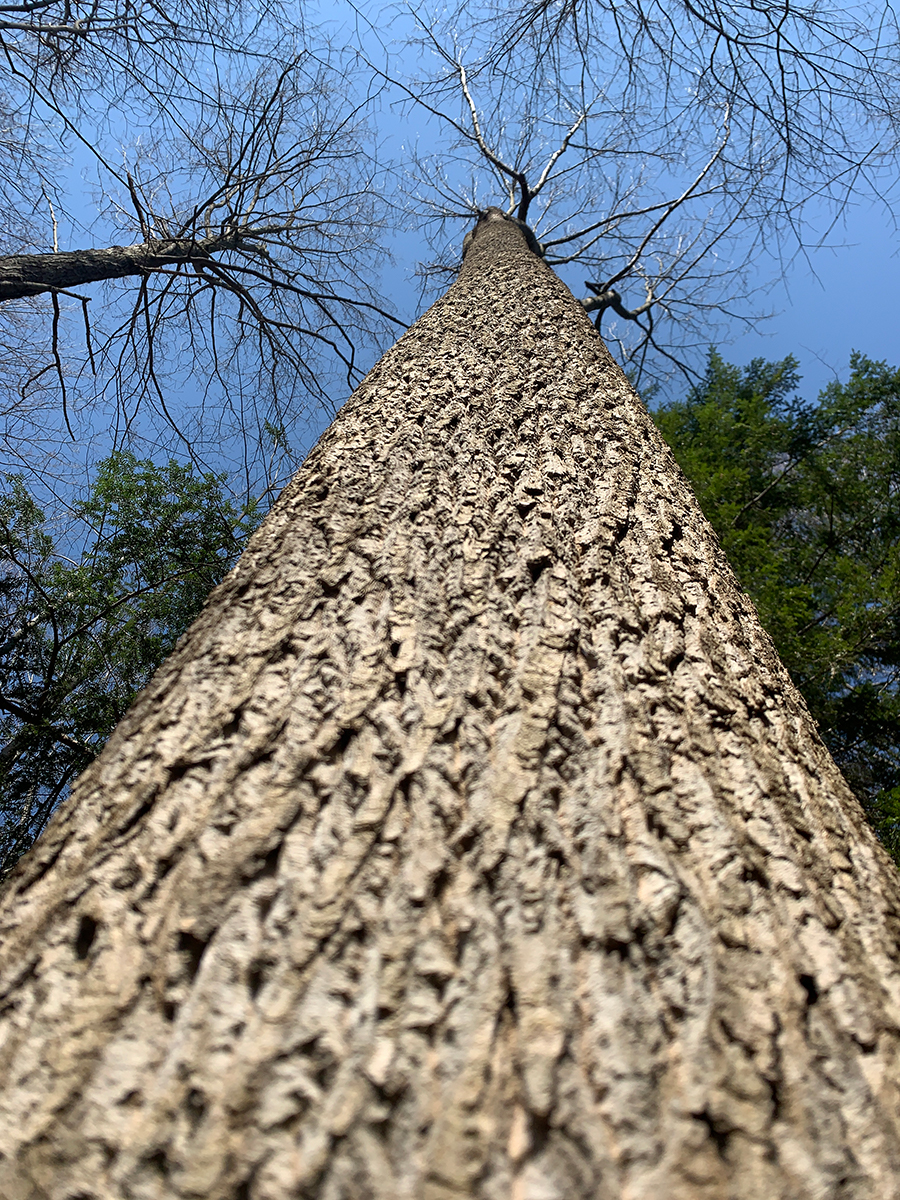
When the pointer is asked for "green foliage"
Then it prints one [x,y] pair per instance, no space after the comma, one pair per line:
[806,501]
[86,615]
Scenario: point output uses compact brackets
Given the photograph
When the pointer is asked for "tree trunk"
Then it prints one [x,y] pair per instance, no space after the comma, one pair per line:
[473,842]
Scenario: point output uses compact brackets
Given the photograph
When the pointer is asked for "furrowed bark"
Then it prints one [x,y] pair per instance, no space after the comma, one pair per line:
[473,842]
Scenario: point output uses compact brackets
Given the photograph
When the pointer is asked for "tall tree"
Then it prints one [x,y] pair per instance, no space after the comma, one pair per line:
[679,154]
[474,841]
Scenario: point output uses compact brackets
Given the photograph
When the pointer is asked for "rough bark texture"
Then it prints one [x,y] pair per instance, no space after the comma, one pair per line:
[31,274]
[473,843]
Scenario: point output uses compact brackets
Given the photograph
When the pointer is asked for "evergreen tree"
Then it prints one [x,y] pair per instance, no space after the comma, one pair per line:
[805,499]
[89,611]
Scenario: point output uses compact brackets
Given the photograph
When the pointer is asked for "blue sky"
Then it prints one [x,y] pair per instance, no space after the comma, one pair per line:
[837,299]
[825,302]
[829,302]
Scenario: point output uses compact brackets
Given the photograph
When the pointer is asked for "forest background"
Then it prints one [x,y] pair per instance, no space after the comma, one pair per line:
[300,189]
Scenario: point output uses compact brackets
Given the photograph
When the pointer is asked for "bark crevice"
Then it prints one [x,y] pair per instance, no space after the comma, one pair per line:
[473,842]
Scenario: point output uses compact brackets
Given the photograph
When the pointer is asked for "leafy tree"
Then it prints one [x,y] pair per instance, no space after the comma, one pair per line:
[87,613]
[805,498]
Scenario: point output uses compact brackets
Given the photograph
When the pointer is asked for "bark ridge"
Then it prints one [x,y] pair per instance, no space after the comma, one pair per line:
[473,843]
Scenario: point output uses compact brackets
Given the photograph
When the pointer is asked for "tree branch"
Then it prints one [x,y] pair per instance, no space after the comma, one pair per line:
[32,274]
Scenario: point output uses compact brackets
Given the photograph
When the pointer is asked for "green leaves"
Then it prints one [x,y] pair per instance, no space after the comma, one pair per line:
[806,500]
[89,611]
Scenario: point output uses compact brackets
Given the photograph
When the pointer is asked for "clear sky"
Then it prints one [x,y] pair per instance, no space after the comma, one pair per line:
[836,300]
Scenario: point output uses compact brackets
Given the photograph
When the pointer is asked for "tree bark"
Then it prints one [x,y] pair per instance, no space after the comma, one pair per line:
[472,843]
[32,274]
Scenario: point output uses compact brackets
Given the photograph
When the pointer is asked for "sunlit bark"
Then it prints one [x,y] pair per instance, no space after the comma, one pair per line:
[473,843]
